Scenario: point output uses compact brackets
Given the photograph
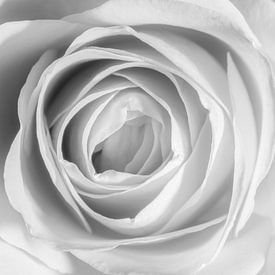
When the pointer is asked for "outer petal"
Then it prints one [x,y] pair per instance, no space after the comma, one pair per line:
[265,203]
[159,257]
[20,45]
[260,15]
[15,261]
[219,18]
[264,206]
[245,254]
[28,265]
[15,10]
[269,267]
[31,255]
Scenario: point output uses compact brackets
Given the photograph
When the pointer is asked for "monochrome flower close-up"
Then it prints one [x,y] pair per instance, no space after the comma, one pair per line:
[137,137]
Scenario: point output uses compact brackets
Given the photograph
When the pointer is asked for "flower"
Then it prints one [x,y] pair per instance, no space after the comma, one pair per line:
[137,137]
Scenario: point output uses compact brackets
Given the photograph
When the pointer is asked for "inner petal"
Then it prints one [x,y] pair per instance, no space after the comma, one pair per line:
[129,106]
[116,151]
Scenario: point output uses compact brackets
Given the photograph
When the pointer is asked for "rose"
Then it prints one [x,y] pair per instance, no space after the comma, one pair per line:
[242,123]
[207,206]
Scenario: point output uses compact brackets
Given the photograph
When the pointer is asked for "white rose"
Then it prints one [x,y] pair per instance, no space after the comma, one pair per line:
[137,137]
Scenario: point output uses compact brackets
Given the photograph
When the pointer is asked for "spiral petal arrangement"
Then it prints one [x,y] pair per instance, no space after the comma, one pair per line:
[146,139]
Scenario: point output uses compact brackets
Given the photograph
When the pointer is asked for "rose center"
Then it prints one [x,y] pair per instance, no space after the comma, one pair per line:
[126,149]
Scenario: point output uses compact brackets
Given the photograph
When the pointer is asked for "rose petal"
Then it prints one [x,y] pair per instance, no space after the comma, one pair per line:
[243,121]
[121,147]
[260,15]
[25,264]
[109,84]
[14,231]
[12,227]
[191,59]
[245,254]
[133,99]
[154,159]
[162,257]
[164,82]
[13,51]
[195,110]
[72,139]
[66,93]
[28,263]
[216,181]
[31,201]
[18,10]
[269,266]
[245,138]
[178,190]
[85,185]
[135,198]
[264,202]
[170,13]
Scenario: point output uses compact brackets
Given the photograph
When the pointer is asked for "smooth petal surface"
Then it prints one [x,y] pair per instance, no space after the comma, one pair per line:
[14,230]
[28,263]
[264,206]
[181,14]
[39,254]
[25,265]
[158,257]
[269,266]
[260,15]
[16,10]
[265,203]
[245,254]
